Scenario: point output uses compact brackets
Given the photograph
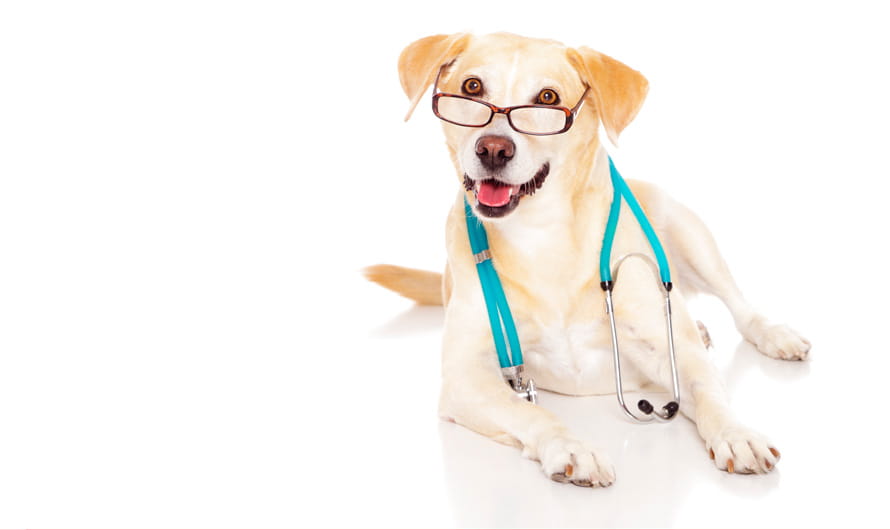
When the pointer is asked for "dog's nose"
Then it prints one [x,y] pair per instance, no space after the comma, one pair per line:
[495,151]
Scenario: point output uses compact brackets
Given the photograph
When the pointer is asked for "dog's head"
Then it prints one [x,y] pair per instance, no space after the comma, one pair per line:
[515,108]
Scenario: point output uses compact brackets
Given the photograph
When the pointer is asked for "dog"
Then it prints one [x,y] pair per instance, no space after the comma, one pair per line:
[544,201]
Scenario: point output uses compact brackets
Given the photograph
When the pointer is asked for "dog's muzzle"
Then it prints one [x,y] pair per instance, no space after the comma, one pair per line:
[495,198]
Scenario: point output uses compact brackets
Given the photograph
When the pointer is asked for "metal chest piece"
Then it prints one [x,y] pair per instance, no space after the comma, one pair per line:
[526,390]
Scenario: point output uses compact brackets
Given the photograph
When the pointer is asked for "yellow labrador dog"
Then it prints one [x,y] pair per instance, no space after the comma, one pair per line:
[544,201]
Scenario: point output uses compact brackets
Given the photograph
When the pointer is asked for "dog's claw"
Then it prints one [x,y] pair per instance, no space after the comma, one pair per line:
[775,452]
[565,459]
[777,340]
[559,477]
[736,449]
[705,336]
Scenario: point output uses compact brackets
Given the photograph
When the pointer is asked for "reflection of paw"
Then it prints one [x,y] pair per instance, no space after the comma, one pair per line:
[740,450]
[566,459]
[778,341]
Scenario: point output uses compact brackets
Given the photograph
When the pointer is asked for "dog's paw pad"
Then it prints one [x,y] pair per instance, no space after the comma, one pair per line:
[780,342]
[743,451]
[567,460]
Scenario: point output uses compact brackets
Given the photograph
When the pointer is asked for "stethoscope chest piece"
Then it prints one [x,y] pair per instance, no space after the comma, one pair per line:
[524,389]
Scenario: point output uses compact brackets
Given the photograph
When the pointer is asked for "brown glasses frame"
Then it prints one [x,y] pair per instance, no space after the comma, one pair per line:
[570,113]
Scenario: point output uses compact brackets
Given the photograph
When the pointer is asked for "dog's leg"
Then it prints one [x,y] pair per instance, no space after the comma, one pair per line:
[698,264]
[732,446]
[475,395]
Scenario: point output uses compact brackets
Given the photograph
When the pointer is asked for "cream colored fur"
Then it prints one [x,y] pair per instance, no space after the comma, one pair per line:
[546,253]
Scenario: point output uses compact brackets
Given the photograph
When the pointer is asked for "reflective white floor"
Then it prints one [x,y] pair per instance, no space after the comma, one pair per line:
[333,424]
[818,413]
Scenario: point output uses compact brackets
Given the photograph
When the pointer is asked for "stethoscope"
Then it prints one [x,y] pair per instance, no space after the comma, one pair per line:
[503,328]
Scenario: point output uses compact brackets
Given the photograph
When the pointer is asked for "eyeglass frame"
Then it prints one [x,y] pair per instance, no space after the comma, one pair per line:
[570,113]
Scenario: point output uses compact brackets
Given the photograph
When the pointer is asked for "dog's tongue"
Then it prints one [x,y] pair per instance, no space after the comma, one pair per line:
[492,194]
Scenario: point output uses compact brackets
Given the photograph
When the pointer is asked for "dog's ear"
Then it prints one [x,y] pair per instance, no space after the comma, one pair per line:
[617,91]
[420,62]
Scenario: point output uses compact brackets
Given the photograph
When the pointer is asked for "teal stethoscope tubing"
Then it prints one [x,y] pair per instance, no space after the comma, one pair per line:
[621,190]
[499,316]
[501,319]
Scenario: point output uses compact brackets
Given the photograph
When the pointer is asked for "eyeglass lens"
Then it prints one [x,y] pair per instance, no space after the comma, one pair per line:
[536,120]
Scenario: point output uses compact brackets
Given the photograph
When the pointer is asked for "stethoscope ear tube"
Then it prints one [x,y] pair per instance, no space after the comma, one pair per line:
[608,277]
[669,410]
[622,191]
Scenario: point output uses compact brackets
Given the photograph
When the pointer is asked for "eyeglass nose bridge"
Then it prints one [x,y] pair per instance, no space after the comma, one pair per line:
[505,111]
[495,110]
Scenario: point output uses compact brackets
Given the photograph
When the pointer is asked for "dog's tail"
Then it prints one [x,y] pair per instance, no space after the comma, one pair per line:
[424,287]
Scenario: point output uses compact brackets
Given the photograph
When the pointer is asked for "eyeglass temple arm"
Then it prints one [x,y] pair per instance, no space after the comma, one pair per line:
[577,108]
[438,75]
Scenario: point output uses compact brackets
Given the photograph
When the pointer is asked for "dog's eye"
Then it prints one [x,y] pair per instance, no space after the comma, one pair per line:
[472,87]
[548,97]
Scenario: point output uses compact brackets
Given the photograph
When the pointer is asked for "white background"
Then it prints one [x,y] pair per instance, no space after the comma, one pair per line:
[189,190]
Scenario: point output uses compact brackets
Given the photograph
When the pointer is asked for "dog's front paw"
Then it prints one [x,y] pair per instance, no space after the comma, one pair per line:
[566,459]
[778,341]
[740,450]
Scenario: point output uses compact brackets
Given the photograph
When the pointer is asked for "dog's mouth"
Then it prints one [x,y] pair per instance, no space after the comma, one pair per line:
[495,198]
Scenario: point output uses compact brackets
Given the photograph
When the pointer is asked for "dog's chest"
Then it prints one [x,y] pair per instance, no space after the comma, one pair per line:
[553,271]
[565,332]
[571,359]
